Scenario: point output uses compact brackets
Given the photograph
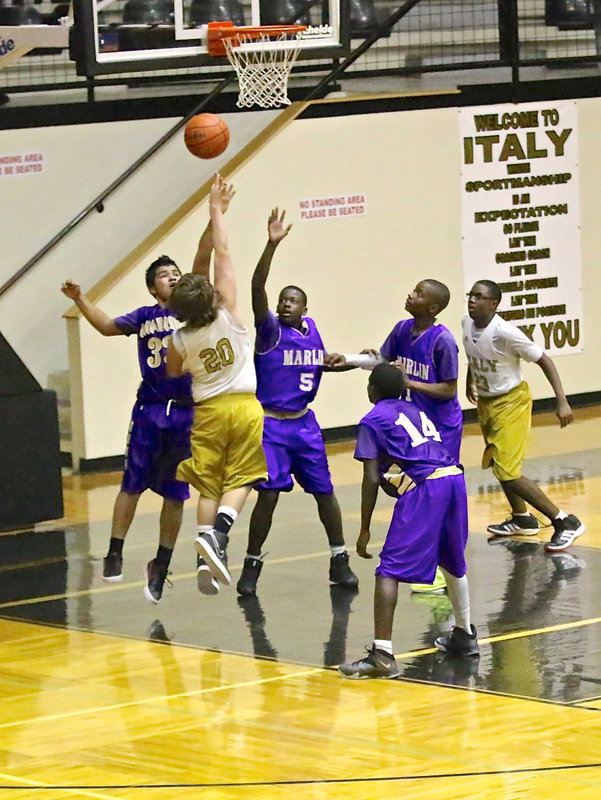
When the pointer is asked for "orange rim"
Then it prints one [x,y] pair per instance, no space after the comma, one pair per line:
[218,31]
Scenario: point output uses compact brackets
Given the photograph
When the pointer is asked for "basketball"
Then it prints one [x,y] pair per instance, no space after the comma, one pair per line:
[206,135]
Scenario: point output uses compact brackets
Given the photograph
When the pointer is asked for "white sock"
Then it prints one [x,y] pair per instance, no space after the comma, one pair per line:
[458,592]
[231,512]
[385,645]
[336,550]
[521,513]
[561,515]
[204,529]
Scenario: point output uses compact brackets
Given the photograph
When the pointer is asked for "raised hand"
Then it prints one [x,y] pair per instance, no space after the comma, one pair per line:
[217,192]
[71,290]
[227,193]
[275,227]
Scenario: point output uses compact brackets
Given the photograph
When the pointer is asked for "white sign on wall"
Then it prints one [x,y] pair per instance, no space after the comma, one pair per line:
[18,164]
[521,215]
[341,206]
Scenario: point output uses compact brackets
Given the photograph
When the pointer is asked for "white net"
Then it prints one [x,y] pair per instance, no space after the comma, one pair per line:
[263,65]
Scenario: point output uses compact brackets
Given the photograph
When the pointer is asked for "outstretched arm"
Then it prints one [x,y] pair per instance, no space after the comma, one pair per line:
[202,259]
[563,412]
[225,278]
[276,231]
[97,318]
[366,359]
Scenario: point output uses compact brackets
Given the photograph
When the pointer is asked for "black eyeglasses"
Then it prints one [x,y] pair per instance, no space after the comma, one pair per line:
[478,296]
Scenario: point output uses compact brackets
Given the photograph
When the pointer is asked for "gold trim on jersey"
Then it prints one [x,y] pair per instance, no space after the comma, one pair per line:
[269,412]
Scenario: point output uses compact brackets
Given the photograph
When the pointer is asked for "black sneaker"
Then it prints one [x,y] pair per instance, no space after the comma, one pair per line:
[247,583]
[156,575]
[341,573]
[522,524]
[204,580]
[211,547]
[112,569]
[376,664]
[459,642]
[566,530]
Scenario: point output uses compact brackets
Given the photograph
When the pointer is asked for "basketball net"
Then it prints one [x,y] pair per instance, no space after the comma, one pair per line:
[262,72]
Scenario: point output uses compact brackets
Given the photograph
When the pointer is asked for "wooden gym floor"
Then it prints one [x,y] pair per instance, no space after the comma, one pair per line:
[106,696]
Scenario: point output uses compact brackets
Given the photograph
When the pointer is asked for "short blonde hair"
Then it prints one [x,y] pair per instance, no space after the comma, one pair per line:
[194,300]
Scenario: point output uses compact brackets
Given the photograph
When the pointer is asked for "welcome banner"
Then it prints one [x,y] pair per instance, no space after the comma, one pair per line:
[521,215]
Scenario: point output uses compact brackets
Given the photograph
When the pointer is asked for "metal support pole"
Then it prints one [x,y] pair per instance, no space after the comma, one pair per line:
[509,34]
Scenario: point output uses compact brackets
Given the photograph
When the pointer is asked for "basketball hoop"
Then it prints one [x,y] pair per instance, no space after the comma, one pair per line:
[263,57]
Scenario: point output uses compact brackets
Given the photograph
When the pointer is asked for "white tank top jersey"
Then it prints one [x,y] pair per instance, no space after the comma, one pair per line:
[494,353]
[219,357]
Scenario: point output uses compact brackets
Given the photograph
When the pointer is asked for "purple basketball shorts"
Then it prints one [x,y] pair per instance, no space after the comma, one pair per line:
[428,528]
[295,447]
[158,439]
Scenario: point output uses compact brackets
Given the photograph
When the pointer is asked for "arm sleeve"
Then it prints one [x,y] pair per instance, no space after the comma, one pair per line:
[389,349]
[518,344]
[446,357]
[129,323]
[363,360]
[367,445]
[268,332]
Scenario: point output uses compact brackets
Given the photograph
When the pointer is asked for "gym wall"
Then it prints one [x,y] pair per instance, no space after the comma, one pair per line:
[355,269]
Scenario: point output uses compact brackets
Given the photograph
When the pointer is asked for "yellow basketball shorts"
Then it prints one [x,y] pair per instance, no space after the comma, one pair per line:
[226,445]
[505,424]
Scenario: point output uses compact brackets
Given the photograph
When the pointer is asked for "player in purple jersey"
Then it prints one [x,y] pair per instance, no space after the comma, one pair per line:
[428,353]
[159,432]
[401,450]
[289,362]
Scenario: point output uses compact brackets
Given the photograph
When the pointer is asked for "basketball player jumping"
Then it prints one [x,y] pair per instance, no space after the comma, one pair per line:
[162,415]
[214,348]
[289,362]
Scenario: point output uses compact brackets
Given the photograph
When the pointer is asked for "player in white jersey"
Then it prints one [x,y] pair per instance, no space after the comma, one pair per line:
[494,349]
[214,347]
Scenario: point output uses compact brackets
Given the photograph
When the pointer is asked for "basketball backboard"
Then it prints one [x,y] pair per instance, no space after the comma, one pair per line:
[17,40]
[112,36]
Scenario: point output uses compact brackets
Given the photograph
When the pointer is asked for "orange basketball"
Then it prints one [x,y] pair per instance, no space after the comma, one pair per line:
[206,135]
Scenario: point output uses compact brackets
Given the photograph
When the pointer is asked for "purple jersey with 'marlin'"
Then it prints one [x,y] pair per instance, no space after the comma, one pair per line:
[396,432]
[153,326]
[430,357]
[288,362]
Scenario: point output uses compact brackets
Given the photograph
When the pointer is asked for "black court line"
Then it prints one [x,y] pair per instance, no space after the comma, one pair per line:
[308,781]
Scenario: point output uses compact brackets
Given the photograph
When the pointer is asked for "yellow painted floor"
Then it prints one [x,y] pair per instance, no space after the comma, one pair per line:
[93,708]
